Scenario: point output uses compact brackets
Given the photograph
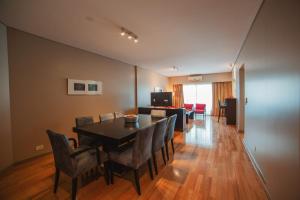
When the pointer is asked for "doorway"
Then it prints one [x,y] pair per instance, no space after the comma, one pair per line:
[240,89]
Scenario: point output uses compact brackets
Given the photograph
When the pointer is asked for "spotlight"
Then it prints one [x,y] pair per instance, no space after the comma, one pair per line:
[175,69]
[130,35]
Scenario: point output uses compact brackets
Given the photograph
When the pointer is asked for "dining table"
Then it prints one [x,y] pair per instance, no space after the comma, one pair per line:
[115,132]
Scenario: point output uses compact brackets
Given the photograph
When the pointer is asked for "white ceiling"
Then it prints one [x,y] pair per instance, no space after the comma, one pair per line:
[197,36]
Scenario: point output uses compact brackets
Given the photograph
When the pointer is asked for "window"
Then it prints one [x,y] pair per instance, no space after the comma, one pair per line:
[200,93]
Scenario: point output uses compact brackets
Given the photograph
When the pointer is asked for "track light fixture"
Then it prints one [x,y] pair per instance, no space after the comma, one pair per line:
[130,35]
[175,69]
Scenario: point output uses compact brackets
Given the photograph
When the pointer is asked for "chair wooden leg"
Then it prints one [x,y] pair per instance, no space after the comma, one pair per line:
[137,181]
[167,150]
[150,168]
[111,172]
[172,142]
[57,172]
[154,162]
[106,173]
[163,154]
[219,114]
[74,188]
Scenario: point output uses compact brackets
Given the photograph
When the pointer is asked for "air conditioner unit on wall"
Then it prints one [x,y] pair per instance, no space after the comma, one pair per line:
[195,78]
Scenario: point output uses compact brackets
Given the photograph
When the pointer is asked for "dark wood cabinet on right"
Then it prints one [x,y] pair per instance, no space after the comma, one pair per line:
[230,111]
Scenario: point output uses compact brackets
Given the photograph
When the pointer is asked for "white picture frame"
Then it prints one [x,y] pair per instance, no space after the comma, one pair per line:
[158,89]
[84,87]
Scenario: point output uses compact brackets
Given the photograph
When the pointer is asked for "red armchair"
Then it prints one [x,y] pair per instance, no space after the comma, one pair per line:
[200,109]
[189,106]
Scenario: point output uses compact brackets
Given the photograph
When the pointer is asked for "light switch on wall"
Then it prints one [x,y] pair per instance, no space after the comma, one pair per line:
[39,147]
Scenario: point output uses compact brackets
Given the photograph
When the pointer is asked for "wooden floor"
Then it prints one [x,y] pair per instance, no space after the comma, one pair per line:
[209,163]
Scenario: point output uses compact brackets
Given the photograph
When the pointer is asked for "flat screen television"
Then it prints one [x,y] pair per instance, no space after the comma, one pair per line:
[161,98]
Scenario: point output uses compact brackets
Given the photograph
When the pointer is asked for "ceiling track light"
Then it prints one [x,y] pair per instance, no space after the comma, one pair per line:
[175,69]
[130,35]
[123,32]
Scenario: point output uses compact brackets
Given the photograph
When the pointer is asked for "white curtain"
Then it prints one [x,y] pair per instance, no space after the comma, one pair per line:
[199,93]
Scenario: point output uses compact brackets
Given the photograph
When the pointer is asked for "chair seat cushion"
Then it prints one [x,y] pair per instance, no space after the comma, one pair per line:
[123,158]
[85,161]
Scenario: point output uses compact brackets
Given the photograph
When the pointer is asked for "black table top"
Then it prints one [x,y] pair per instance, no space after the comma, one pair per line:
[116,130]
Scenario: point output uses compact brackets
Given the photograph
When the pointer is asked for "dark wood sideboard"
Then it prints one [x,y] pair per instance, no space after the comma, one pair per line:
[230,111]
[181,115]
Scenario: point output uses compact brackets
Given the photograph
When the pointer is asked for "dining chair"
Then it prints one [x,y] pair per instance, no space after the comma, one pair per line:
[158,113]
[158,142]
[106,116]
[170,133]
[82,139]
[135,156]
[118,115]
[86,141]
[73,162]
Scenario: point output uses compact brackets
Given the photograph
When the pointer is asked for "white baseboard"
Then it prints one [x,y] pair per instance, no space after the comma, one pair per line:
[257,169]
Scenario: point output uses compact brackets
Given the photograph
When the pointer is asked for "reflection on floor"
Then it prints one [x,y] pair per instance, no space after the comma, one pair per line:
[200,134]
[209,163]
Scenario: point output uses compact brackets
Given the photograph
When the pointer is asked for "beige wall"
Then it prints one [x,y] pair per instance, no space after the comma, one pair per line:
[146,81]
[39,69]
[272,114]
[206,78]
[6,156]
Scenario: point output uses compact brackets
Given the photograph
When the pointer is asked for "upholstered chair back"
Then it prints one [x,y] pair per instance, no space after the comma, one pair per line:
[81,121]
[119,114]
[106,116]
[159,134]
[142,146]
[171,127]
[158,113]
[61,152]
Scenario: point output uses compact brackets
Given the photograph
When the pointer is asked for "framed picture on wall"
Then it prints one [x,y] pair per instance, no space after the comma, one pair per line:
[158,89]
[94,87]
[84,87]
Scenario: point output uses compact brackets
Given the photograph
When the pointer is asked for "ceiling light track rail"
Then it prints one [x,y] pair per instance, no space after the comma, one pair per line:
[130,35]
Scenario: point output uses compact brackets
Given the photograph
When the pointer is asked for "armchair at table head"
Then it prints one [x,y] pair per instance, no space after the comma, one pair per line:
[72,162]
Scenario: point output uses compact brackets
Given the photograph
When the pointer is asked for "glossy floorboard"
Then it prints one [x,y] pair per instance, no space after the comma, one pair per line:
[210,163]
